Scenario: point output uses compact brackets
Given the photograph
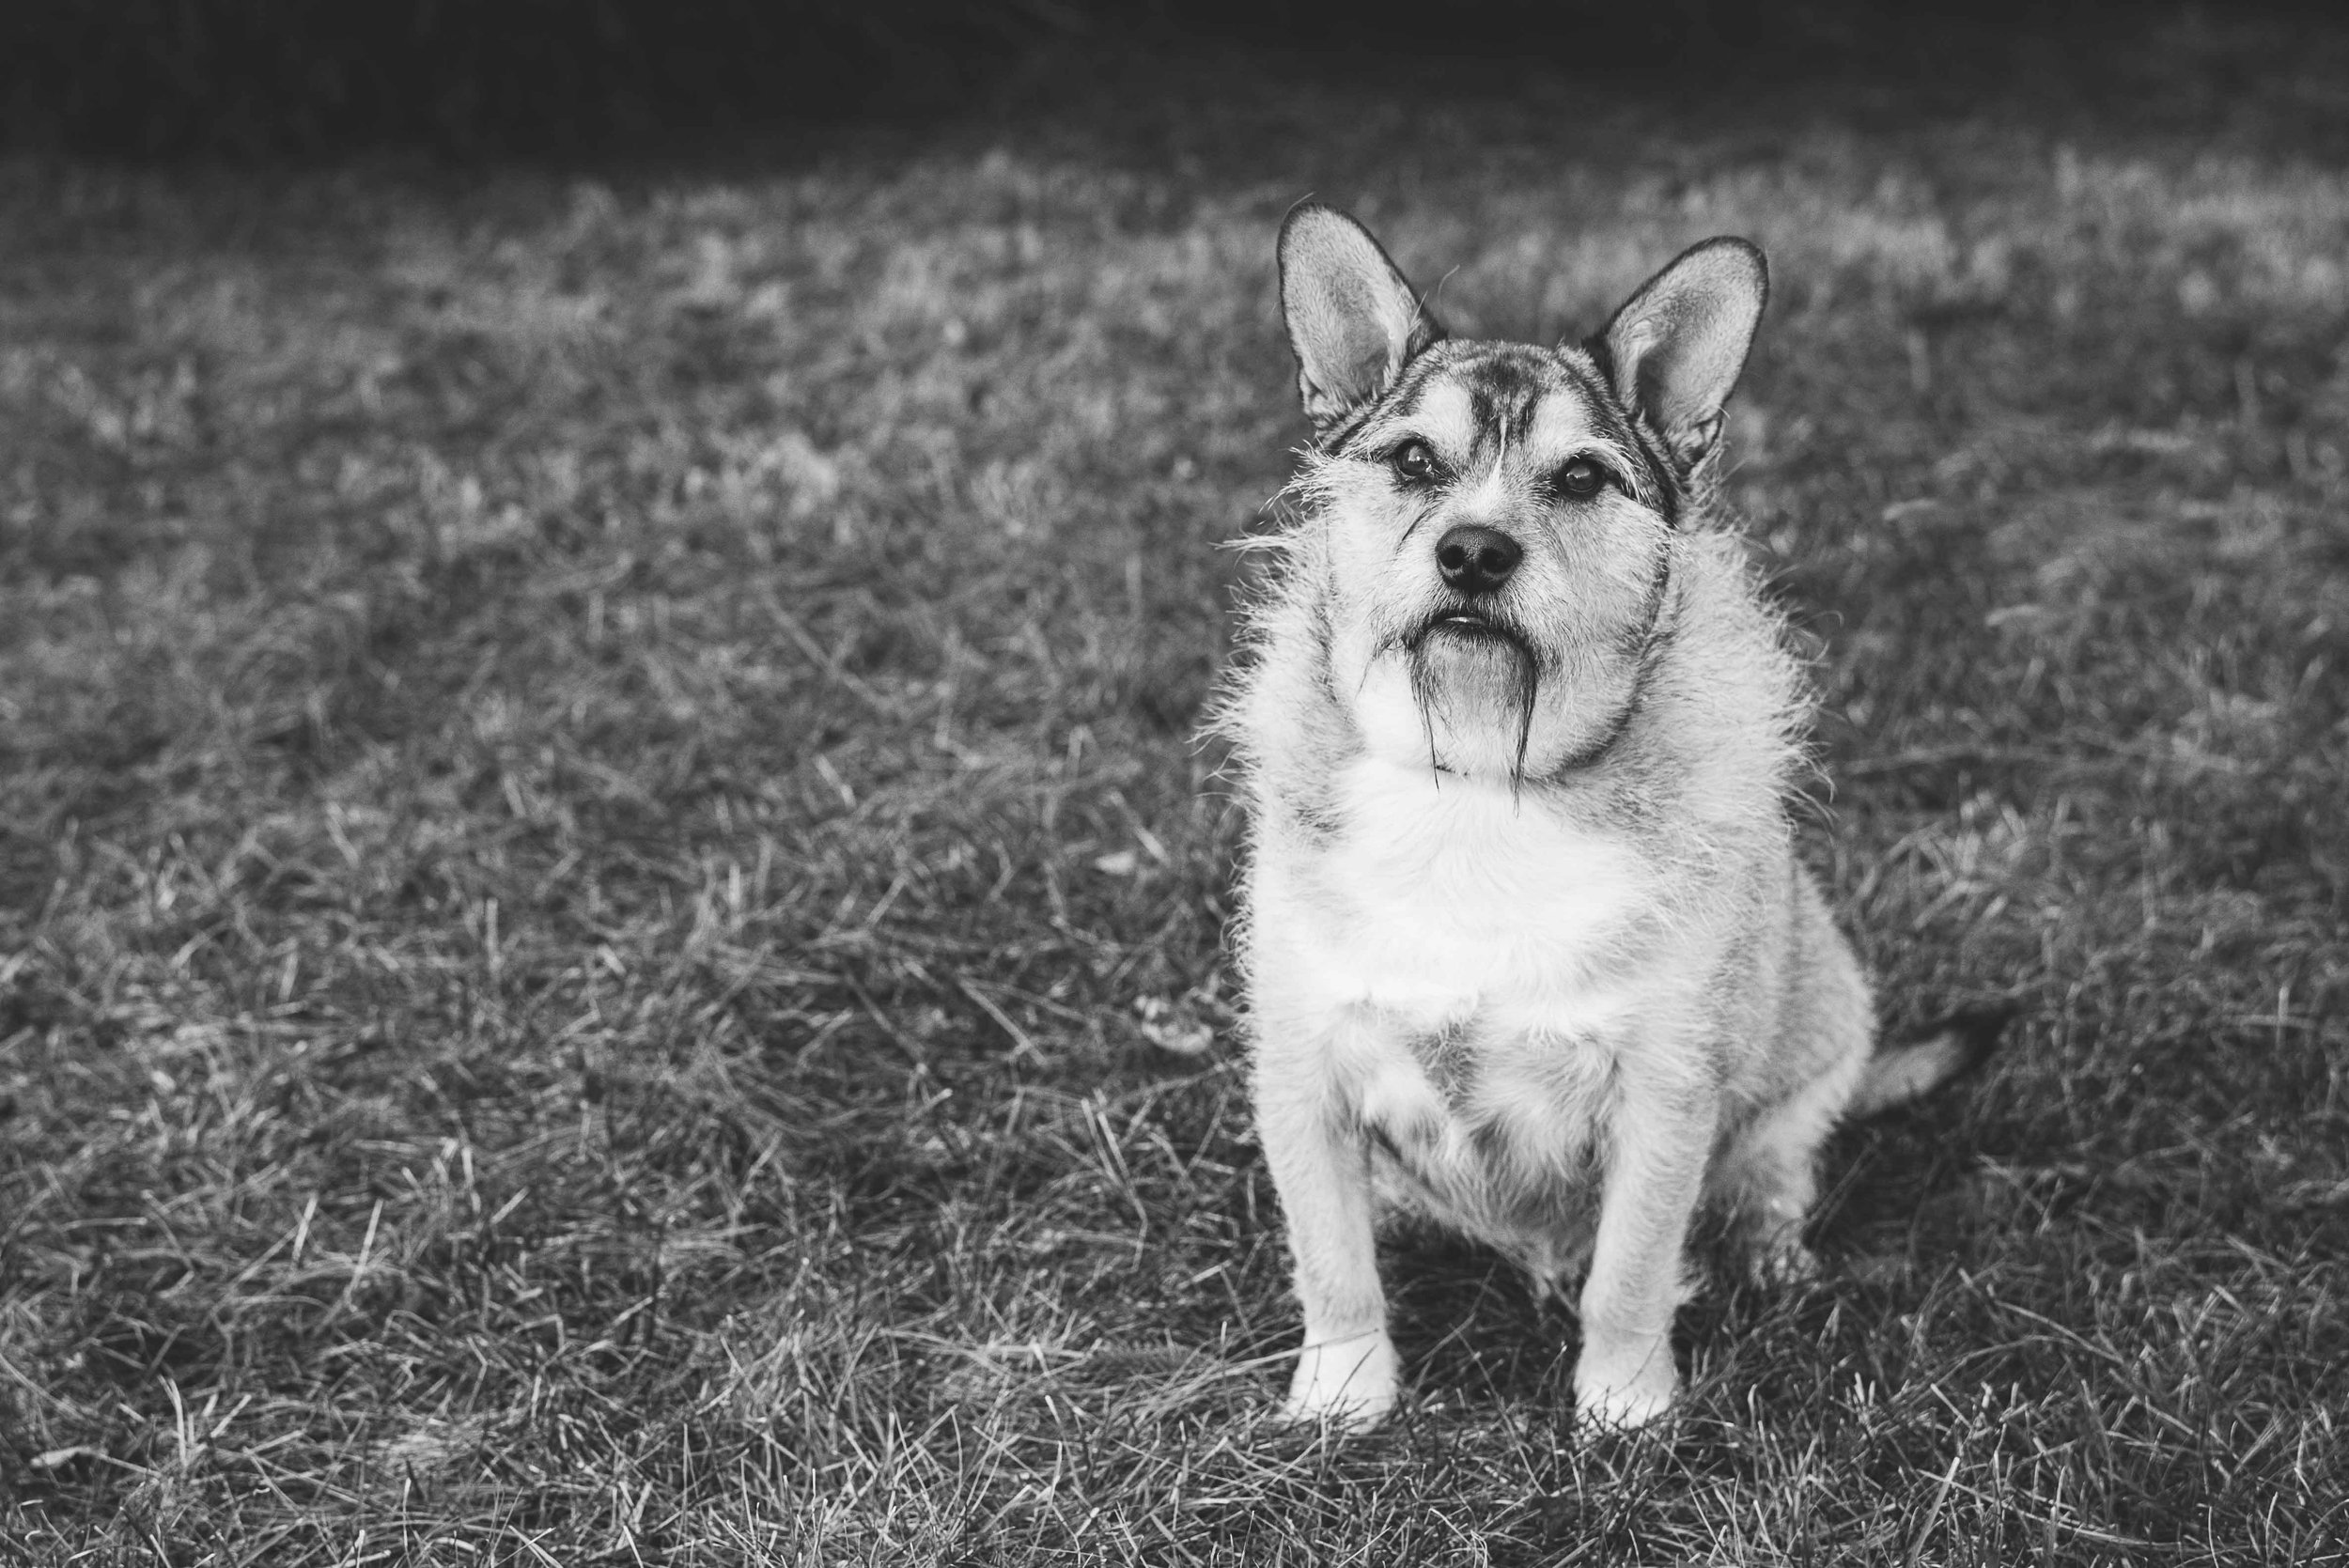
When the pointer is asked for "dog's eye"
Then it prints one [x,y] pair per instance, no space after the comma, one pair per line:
[1583,478]
[1413,460]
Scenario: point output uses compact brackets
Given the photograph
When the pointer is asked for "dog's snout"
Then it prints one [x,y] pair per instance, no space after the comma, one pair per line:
[1477,560]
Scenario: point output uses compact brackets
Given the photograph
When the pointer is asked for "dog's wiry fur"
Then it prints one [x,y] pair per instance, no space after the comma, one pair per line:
[1527,947]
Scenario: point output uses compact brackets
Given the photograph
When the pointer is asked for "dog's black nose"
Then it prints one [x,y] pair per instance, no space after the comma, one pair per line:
[1477,560]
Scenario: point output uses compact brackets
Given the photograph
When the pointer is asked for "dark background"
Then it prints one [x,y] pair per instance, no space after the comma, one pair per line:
[559,78]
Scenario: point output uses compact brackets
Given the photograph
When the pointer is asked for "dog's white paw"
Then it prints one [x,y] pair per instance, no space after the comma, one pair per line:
[1624,1397]
[1350,1382]
[1781,1263]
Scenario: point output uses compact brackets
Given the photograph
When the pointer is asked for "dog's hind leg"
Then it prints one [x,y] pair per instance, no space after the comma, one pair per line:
[1764,1177]
[1762,1182]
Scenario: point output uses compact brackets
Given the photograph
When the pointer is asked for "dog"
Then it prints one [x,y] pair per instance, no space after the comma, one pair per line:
[1527,949]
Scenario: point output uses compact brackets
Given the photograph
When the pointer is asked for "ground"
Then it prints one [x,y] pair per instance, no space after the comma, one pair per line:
[612,932]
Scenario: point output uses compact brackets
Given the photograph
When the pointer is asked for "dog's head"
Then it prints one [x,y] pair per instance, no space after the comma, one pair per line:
[1498,518]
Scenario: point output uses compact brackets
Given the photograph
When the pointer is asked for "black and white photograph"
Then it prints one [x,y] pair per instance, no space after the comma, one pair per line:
[957,783]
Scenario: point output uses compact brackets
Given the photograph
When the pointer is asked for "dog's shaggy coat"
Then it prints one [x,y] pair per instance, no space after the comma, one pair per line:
[1526,944]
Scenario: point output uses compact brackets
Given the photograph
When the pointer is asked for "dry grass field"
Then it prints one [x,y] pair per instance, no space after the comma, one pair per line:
[611,928]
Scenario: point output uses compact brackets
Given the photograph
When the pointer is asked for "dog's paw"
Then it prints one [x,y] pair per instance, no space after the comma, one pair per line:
[1349,1383]
[1625,1398]
[1781,1263]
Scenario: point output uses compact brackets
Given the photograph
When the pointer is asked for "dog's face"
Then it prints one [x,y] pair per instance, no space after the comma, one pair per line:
[1498,516]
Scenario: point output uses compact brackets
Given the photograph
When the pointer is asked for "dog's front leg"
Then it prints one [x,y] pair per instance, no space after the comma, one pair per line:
[1660,1135]
[1320,1164]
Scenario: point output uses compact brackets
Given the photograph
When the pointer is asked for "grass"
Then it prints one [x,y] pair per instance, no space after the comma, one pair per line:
[609,927]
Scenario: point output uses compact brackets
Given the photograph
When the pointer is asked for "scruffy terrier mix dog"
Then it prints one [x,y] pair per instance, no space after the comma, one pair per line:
[1528,951]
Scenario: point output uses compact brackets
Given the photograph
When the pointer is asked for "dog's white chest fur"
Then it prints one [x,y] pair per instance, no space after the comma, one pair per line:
[1476,960]
[1446,899]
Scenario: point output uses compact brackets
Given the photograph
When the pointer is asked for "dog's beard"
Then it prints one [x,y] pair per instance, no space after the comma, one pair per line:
[1477,667]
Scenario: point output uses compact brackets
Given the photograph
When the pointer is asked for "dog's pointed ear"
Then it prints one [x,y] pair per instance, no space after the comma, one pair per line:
[1677,345]
[1353,319]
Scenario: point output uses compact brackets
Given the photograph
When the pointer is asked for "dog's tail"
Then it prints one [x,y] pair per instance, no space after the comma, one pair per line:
[1902,1071]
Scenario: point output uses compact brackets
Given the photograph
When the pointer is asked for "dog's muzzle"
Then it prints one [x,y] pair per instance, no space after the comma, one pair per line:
[1470,622]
